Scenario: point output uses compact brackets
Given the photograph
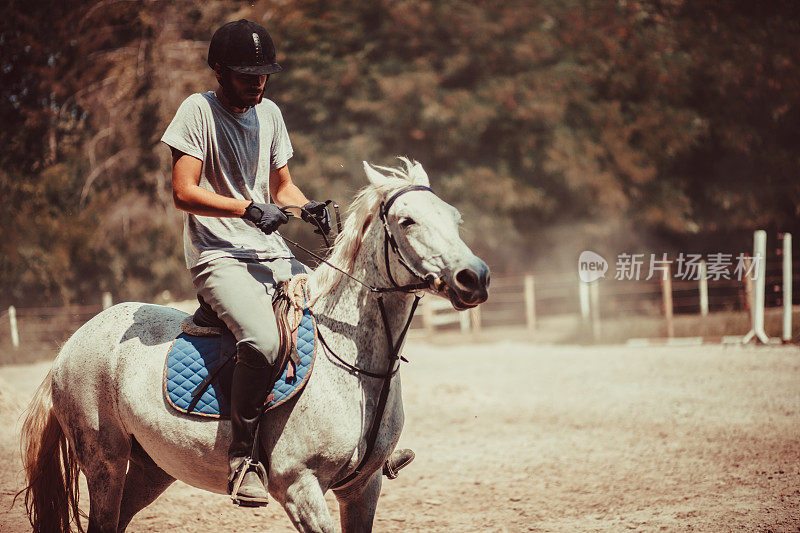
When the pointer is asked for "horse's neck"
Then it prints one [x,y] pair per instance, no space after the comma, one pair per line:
[350,311]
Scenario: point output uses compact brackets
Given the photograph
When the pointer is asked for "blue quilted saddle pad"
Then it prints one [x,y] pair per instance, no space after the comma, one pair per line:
[192,359]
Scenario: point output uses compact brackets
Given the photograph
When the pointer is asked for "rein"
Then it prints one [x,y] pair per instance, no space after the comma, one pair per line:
[427,281]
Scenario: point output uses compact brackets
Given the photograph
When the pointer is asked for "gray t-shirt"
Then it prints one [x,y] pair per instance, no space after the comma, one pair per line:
[237,150]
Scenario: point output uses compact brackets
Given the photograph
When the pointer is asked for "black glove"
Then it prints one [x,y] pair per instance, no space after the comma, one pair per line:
[266,217]
[316,211]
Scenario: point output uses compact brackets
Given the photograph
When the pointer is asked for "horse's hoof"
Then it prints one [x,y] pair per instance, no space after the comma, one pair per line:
[396,462]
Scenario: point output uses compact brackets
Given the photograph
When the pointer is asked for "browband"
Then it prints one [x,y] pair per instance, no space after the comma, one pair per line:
[388,203]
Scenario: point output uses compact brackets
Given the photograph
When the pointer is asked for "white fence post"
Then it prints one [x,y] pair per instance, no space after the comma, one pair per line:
[463,321]
[427,315]
[787,288]
[107,301]
[530,302]
[748,286]
[760,268]
[475,318]
[666,296]
[703,289]
[583,295]
[12,318]
[594,305]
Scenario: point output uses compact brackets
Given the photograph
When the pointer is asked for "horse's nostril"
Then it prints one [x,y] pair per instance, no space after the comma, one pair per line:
[468,279]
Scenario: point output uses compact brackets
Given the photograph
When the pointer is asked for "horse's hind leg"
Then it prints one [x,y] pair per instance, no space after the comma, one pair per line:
[102,448]
[103,456]
[357,506]
[144,483]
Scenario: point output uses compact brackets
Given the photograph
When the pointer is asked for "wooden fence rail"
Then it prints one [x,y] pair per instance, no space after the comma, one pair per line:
[517,300]
[514,300]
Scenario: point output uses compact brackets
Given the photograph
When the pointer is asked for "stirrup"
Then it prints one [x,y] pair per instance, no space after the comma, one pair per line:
[396,462]
[247,465]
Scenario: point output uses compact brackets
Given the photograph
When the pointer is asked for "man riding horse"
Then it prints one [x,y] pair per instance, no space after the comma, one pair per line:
[230,176]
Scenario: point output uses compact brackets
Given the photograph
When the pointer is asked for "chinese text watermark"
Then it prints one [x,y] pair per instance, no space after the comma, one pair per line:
[687,267]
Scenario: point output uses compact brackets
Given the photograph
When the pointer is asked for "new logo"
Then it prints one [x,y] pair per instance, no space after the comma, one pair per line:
[591,266]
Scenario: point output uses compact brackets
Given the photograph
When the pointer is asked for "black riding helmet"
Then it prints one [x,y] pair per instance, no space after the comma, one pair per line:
[243,46]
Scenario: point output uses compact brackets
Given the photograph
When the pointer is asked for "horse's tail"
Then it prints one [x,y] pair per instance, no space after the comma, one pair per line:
[51,470]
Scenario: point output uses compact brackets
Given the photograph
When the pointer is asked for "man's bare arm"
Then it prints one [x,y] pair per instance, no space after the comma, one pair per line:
[284,191]
[189,196]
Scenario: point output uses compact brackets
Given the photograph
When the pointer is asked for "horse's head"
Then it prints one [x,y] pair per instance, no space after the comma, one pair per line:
[425,229]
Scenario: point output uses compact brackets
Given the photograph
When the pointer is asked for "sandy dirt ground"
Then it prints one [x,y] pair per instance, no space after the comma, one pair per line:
[517,437]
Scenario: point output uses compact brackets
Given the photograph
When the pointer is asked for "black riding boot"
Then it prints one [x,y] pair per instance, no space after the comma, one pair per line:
[252,381]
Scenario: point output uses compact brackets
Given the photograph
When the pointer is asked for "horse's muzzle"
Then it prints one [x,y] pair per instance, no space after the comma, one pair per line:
[469,285]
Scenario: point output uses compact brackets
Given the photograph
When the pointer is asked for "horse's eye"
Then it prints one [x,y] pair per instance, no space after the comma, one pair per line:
[406,222]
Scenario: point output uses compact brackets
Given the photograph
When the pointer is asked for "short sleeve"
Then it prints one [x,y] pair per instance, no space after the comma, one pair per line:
[186,132]
[281,149]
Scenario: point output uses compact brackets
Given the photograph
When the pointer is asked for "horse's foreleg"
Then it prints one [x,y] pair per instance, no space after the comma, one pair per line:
[357,507]
[306,507]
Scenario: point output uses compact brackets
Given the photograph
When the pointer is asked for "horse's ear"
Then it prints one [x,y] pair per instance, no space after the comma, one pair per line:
[374,177]
[419,175]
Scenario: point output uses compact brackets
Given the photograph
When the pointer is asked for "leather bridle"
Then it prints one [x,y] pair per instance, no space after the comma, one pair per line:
[427,281]
[390,241]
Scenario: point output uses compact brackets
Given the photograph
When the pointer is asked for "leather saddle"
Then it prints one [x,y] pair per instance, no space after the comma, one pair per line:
[205,318]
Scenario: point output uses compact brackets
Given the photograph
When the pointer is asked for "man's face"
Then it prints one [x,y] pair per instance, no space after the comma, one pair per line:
[244,90]
[248,87]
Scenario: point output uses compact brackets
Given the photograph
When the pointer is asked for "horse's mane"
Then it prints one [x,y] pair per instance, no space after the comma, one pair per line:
[359,217]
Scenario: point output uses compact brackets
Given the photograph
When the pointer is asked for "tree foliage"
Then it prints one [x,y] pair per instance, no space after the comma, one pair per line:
[554,126]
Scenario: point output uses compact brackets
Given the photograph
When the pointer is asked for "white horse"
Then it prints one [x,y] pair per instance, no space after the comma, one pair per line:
[101,410]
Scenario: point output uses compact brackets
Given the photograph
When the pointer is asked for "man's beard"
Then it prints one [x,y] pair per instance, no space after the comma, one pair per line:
[234,98]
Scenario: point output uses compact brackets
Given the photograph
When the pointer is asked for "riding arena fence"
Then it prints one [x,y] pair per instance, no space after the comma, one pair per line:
[541,307]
